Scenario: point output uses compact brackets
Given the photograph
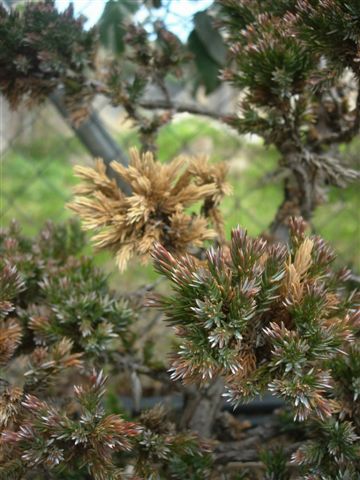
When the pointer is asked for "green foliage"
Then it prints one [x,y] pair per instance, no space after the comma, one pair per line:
[275,463]
[57,312]
[42,48]
[63,295]
[272,67]
[48,49]
[276,60]
[288,57]
[112,28]
[260,316]
[272,64]
[207,46]
[85,441]
[331,28]
[163,453]
[346,372]
[269,318]
[332,454]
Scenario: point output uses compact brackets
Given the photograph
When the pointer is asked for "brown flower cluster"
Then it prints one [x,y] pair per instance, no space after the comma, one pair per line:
[157,209]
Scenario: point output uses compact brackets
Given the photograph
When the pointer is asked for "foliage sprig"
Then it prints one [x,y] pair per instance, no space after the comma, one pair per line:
[262,317]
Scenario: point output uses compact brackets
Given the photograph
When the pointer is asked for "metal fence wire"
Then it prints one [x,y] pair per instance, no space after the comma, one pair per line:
[38,150]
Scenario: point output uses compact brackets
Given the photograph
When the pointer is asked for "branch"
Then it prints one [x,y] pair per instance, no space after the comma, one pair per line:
[247,450]
[347,134]
[275,176]
[202,406]
[131,364]
[180,107]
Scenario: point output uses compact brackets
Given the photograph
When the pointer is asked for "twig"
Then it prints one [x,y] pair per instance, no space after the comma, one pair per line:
[181,107]
[347,134]
[131,364]
[275,176]
[247,450]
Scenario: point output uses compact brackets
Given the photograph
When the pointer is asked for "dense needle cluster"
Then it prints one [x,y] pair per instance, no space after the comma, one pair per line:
[55,311]
[263,316]
[296,64]
[157,209]
[84,438]
[270,317]
[331,28]
[162,452]
[50,293]
[58,320]
[43,48]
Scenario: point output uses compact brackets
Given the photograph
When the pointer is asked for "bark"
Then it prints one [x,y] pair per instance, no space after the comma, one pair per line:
[201,408]
[248,449]
[300,191]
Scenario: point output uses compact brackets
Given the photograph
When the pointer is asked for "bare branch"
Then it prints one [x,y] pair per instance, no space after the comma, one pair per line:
[180,107]
[347,134]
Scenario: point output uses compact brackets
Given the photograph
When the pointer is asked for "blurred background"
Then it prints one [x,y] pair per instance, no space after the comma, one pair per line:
[38,149]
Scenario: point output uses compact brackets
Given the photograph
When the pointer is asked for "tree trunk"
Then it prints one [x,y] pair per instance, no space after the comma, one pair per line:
[201,408]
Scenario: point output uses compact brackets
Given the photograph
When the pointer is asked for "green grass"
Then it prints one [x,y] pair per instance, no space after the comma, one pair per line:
[37,180]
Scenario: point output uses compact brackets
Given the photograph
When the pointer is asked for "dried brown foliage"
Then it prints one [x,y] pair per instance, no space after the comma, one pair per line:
[157,210]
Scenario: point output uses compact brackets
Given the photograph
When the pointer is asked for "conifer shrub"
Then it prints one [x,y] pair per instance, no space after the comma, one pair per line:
[270,317]
[262,316]
[254,315]
[61,324]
